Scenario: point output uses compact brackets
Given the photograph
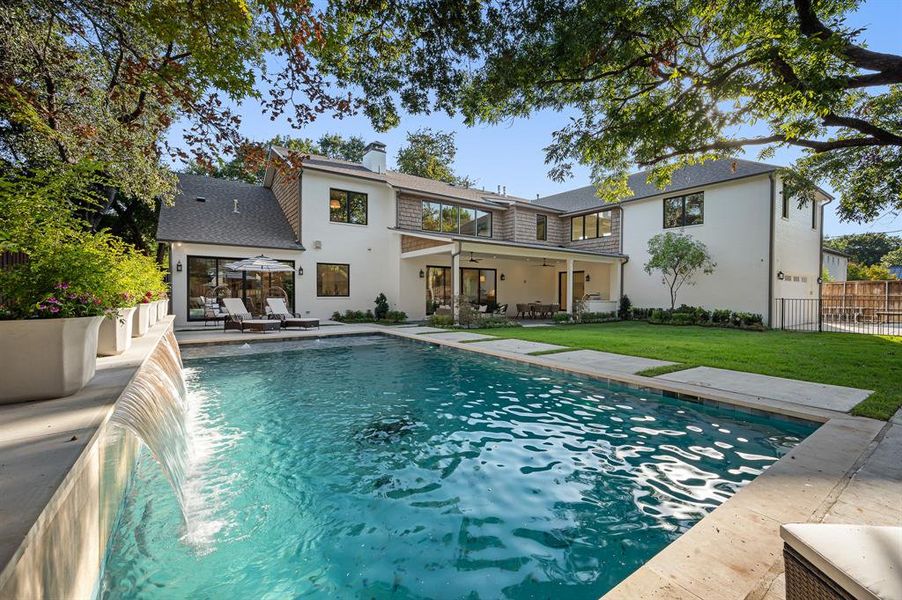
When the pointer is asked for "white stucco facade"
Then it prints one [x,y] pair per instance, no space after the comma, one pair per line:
[836,266]
[736,232]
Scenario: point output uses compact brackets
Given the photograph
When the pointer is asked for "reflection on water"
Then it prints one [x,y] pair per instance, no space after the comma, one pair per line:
[392,469]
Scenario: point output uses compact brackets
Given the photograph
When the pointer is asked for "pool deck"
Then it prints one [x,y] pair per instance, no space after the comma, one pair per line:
[848,471]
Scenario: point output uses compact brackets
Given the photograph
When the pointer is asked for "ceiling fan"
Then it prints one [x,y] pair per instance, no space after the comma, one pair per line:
[545,264]
[474,260]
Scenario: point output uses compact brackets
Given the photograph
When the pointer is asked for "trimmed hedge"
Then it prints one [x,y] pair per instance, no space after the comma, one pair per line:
[359,316]
[586,317]
[696,315]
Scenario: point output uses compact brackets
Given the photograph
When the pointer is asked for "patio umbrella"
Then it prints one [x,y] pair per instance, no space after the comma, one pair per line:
[260,263]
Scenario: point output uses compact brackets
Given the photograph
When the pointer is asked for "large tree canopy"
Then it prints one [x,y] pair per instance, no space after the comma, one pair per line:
[106,79]
[865,248]
[431,154]
[659,83]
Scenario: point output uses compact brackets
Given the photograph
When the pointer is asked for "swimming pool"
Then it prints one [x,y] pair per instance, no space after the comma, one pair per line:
[378,467]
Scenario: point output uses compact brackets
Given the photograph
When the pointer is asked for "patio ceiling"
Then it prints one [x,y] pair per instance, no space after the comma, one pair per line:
[506,249]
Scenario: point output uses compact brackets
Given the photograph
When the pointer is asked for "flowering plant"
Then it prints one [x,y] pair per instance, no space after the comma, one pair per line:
[64,303]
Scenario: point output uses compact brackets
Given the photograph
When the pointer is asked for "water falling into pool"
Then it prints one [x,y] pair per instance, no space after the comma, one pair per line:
[154,407]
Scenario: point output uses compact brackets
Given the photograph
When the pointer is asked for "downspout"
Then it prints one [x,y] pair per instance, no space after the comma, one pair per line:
[770,251]
[622,262]
[300,204]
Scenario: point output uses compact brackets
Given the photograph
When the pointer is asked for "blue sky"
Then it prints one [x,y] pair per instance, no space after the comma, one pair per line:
[512,154]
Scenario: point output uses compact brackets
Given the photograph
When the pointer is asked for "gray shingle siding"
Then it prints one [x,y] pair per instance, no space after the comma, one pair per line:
[707,173]
[259,222]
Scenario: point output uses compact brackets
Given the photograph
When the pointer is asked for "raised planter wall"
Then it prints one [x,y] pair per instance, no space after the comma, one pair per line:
[62,530]
[115,336]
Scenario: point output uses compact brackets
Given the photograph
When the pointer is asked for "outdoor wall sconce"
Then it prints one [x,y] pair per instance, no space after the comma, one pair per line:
[178,266]
[502,277]
[588,278]
[300,270]
[781,276]
[820,280]
[422,274]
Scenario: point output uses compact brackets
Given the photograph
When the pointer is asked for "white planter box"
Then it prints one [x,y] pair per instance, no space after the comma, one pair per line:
[152,315]
[46,358]
[141,320]
[115,336]
[162,309]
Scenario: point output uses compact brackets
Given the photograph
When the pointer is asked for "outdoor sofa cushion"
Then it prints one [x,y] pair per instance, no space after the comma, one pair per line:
[865,561]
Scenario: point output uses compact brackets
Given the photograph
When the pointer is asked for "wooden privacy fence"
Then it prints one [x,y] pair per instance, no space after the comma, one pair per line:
[870,301]
[853,306]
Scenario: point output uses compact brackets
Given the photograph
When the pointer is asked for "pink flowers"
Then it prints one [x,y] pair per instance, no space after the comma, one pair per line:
[67,305]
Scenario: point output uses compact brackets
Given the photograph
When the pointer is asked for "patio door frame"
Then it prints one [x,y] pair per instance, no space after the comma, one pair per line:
[447,273]
[479,298]
[560,285]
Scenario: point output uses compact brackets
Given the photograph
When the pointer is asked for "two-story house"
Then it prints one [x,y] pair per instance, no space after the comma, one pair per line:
[350,231]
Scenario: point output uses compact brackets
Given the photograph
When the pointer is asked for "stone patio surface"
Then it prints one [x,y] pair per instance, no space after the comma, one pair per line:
[818,395]
[605,361]
[517,346]
[457,336]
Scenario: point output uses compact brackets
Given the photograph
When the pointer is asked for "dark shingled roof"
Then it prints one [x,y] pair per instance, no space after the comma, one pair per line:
[259,223]
[712,171]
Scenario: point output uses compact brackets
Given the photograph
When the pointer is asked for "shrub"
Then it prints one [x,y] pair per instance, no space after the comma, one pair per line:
[561,317]
[492,321]
[598,317]
[381,306]
[443,321]
[624,311]
[394,316]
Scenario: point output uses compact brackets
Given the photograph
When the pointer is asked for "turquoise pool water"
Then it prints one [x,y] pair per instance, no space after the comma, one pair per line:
[381,468]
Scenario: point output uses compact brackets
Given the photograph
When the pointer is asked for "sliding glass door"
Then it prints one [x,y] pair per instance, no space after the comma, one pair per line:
[479,286]
[206,273]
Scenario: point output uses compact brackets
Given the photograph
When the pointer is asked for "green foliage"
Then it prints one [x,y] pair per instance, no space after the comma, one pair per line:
[878,272]
[561,317]
[430,154]
[825,275]
[865,248]
[85,79]
[390,317]
[441,321]
[247,165]
[585,317]
[381,306]
[696,315]
[678,258]
[892,258]
[625,306]
[66,262]
[661,84]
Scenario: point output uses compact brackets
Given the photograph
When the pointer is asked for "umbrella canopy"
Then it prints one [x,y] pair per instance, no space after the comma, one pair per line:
[260,263]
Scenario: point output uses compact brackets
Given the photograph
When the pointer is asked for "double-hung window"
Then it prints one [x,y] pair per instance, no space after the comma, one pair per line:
[347,207]
[542,228]
[681,211]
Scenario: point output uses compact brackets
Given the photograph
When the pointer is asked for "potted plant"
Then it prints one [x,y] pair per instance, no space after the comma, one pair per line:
[115,335]
[142,321]
[52,354]
[162,306]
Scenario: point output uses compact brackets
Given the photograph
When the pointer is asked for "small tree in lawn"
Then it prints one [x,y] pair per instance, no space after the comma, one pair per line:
[679,258]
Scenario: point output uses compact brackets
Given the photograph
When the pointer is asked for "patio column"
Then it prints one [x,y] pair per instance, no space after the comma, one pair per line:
[455,280]
[570,286]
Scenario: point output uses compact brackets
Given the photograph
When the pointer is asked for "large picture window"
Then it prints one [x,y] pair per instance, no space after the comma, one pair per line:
[451,218]
[684,210]
[333,280]
[209,281]
[591,226]
[347,207]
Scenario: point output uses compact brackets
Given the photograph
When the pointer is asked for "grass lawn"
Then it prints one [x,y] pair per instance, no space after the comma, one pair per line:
[862,361]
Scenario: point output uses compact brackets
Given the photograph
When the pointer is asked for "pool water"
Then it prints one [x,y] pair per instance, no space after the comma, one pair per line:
[383,468]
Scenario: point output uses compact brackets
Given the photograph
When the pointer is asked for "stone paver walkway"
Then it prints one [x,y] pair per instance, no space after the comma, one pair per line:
[457,336]
[420,329]
[817,395]
[605,362]
[518,346]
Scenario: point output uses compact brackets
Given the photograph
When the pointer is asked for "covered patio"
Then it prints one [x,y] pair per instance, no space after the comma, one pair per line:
[528,281]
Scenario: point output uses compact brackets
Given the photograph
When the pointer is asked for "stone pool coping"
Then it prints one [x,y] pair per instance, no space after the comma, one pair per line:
[45,448]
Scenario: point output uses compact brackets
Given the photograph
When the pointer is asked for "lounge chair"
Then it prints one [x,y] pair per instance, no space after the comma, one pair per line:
[278,310]
[239,318]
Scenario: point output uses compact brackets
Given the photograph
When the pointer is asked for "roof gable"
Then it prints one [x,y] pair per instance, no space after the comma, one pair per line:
[258,223]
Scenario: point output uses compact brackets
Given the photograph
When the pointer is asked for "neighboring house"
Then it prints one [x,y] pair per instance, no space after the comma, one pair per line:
[765,246]
[350,231]
[836,264]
